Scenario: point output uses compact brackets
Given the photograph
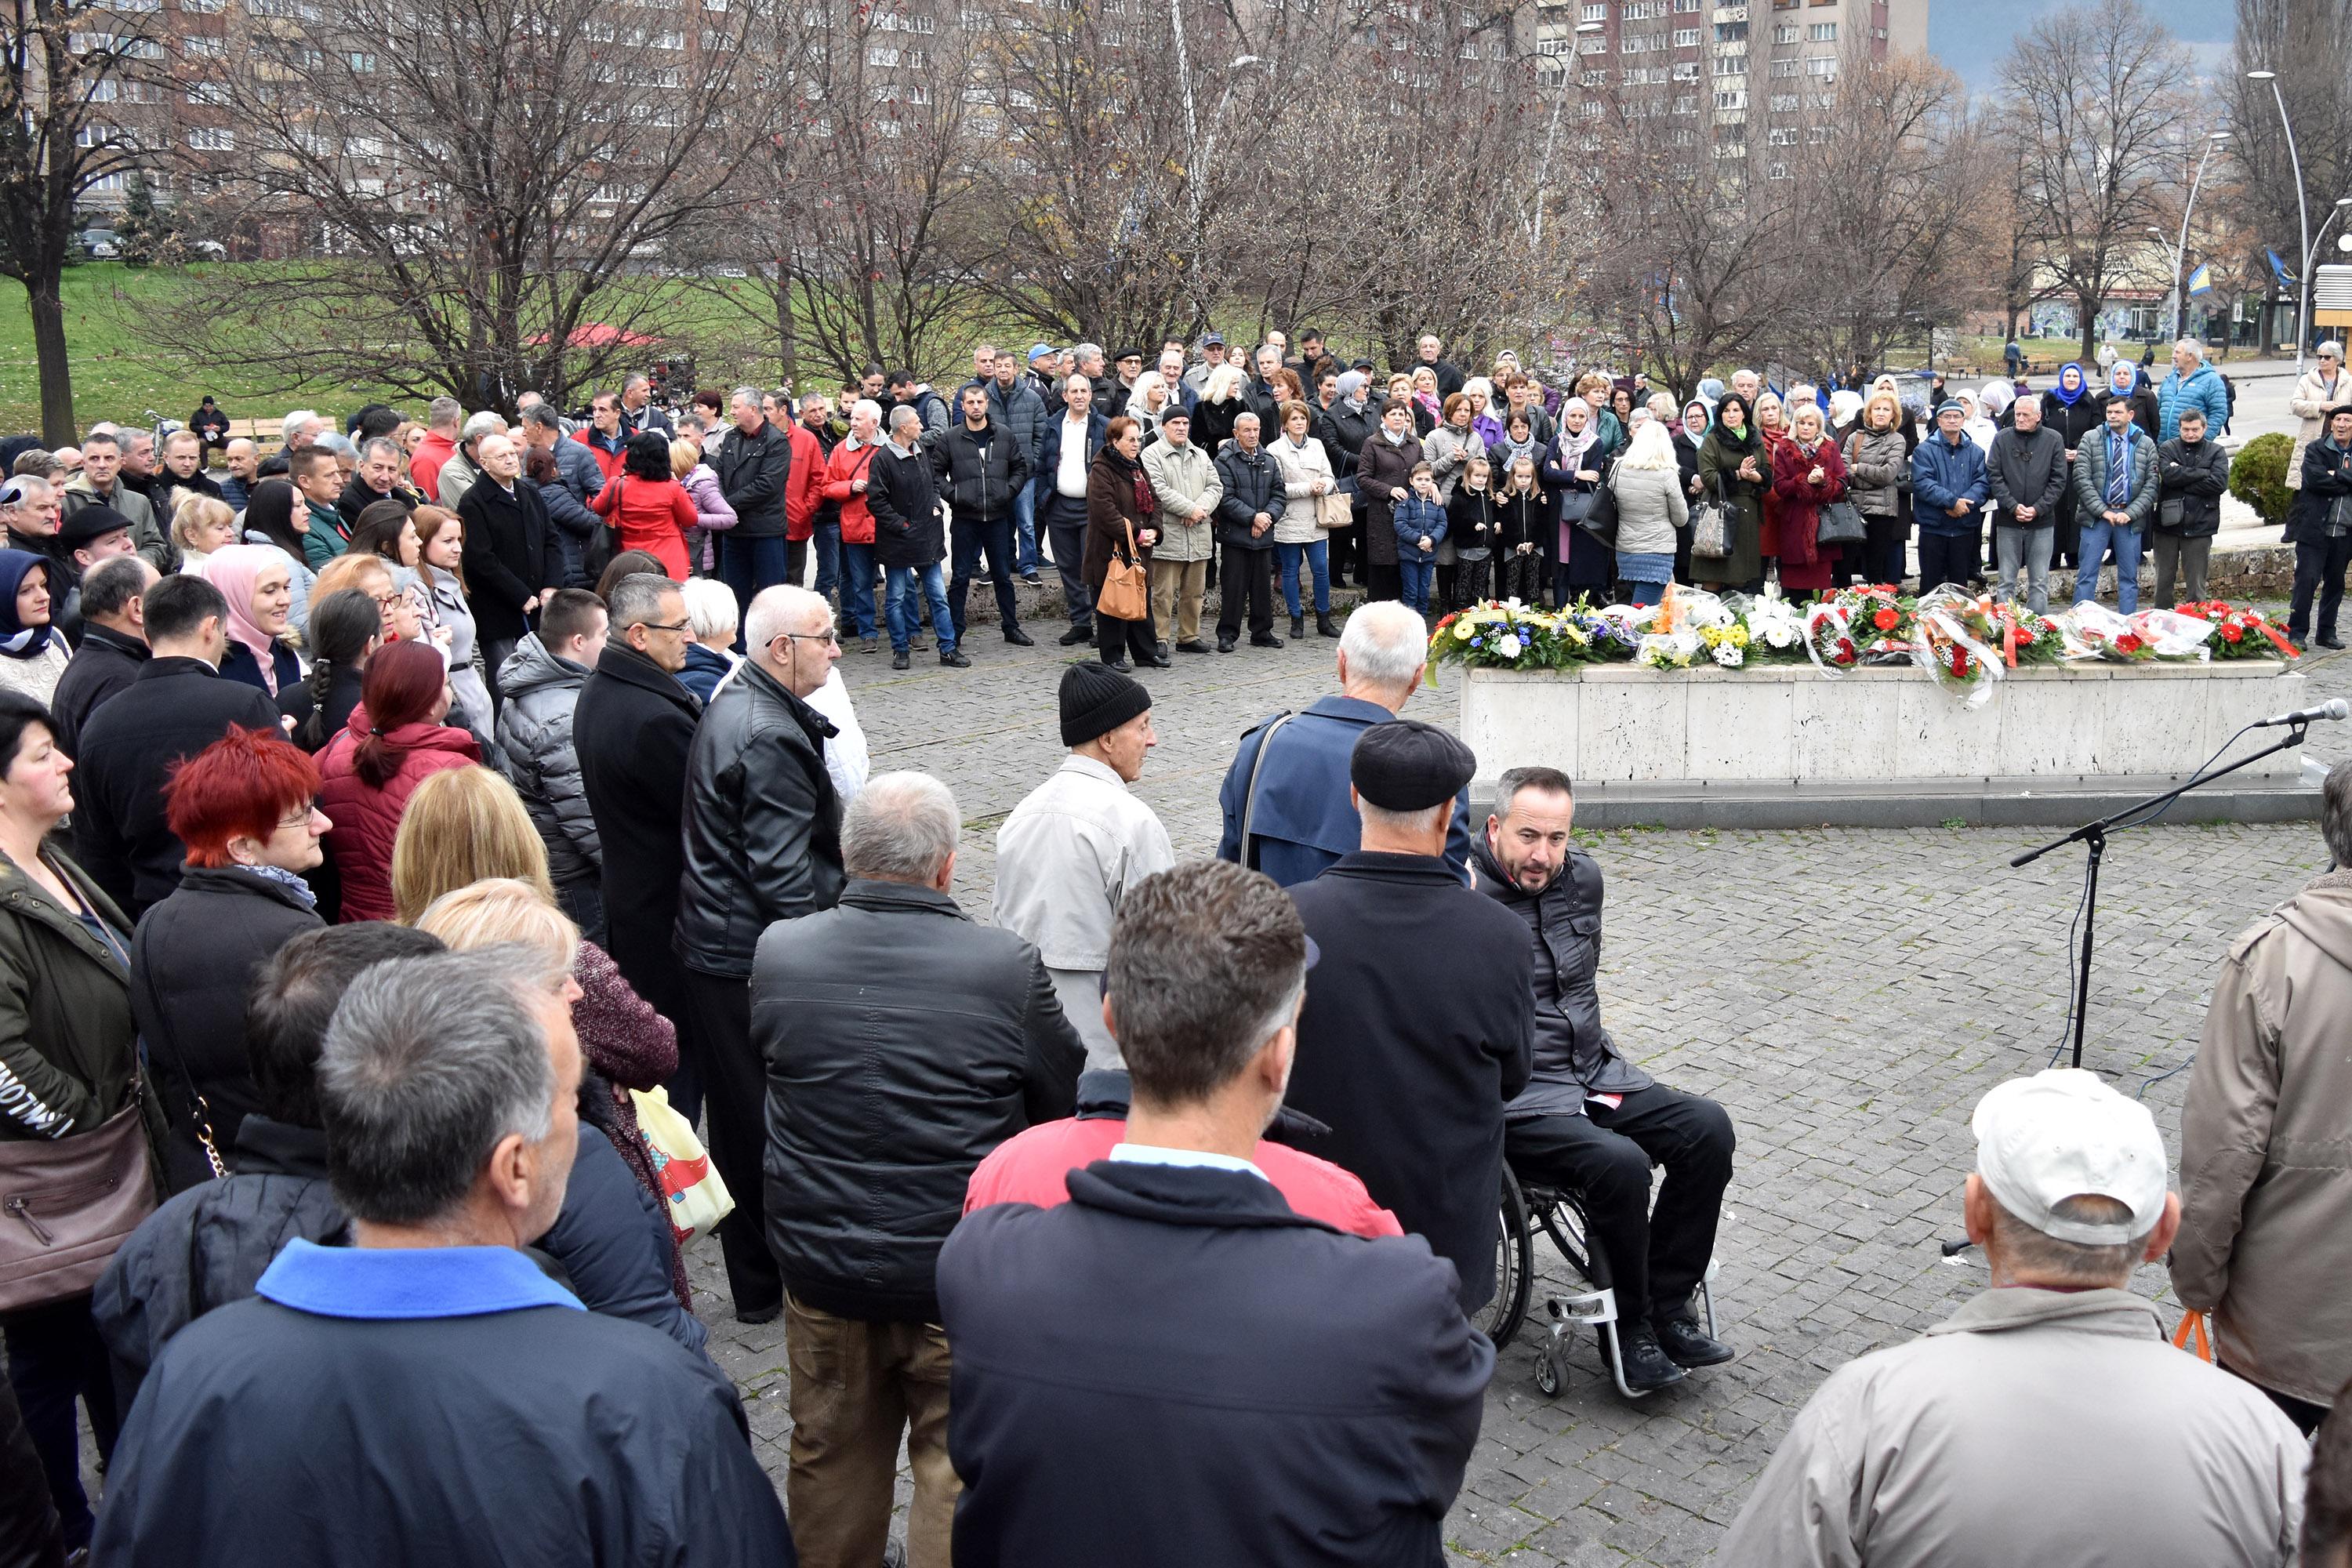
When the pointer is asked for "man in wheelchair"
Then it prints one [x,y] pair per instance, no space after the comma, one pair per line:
[1591,1120]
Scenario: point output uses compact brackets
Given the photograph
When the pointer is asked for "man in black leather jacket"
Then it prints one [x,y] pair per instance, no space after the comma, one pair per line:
[1589,1118]
[762,844]
[902,1041]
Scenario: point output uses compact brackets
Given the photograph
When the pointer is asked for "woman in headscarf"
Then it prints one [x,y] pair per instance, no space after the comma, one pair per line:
[2073,409]
[275,515]
[33,654]
[1845,414]
[1808,474]
[1573,473]
[259,589]
[1733,467]
[2125,379]
[1343,428]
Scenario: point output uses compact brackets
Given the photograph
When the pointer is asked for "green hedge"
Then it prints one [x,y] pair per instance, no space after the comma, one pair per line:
[2258,476]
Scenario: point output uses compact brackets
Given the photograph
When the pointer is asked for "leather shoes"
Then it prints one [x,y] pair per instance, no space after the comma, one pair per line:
[1157,661]
[767,1314]
[1687,1344]
[1323,626]
[901,660]
[1160,649]
[1224,644]
[1191,645]
[1018,637]
[1077,635]
[1297,626]
[1647,1367]
[1269,640]
[2329,642]
[1121,666]
[955,657]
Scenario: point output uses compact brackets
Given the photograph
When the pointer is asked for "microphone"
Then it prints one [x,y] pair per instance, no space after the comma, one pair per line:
[2333,707]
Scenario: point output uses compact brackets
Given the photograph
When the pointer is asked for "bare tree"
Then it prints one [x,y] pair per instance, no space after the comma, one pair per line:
[1888,184]
[2308,43]
[2094,94]
[475,196]
[78,96]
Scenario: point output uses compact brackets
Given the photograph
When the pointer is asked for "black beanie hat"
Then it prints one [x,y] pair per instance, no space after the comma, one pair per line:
[1097,700]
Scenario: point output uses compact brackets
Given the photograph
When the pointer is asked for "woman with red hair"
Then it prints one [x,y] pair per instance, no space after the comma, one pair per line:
[246,808]
[396,741]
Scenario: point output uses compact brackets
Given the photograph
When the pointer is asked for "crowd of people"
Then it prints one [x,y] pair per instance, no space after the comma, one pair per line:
[378,873]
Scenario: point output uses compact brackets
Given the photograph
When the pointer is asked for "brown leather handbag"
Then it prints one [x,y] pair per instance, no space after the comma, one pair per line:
[1127,588]
[66,1204]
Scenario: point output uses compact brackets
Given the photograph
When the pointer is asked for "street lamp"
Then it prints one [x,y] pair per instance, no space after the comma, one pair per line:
[2302,213]
[1551,134]
[1194,153]
[2213,140]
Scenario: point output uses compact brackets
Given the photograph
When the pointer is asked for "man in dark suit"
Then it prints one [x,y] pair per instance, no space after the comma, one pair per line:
[513,557]
[176,706]
[632,730]
[1174,1368]
[113,647]
[1419,1026]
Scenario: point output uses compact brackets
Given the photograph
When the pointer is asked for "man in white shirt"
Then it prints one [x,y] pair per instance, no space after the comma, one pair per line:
[1068,449]
[1069,852]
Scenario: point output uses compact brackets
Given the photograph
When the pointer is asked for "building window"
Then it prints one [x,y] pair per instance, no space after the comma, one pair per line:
[1821,32]
[211,139]
[1777,172]
[1731,65]
[1784,67]
[1823,64]
[1784,33]
[1685,37]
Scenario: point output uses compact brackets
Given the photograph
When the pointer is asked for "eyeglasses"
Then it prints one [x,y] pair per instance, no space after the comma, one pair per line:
[300,818]
[658,626]
[831,636]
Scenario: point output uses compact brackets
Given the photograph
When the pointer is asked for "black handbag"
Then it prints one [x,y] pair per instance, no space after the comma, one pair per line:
[1600,519]
[1842,524]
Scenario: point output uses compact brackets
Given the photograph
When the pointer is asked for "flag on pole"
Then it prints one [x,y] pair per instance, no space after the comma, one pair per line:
[2286,279]
[2201,281]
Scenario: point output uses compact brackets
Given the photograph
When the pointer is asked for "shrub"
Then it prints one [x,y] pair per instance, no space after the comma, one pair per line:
[2258,476]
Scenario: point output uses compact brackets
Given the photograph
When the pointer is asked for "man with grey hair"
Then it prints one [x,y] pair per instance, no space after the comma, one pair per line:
[416,1353]
[910,539]
[2026,474]
[754,467]
[2191,384]
[1168,1344]
[443,418]
[375,478]
[301,428]
[892,1008]
[102,482]
[639,411]
[464,465]
[2265,1242]
[2046,1419]
[762,844]
[1294,805]
[1109,398]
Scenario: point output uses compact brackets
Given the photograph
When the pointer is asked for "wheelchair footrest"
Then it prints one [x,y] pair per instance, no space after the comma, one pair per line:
[1593,1308]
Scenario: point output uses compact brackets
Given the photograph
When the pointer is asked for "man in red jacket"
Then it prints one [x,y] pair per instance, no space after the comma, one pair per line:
[804,494]
[844,483]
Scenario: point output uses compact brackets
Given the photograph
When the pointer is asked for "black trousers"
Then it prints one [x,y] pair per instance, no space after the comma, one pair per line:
[1382,582]
[973,537]
[56,1358]
[1248,573]
[1115,639]
[2319,566]
[1341,555]
[1064,524]
[735,1103]
[1657,1257]
[2305,1415]
[1948,558]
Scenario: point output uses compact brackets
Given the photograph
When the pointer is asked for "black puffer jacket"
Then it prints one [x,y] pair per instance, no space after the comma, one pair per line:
[192,960]
[1573,1053]
[751,472]
[984,470]
[1253,482]
[762,823]
[903,1042]
[2196,477]
[208,1245]
[903,493]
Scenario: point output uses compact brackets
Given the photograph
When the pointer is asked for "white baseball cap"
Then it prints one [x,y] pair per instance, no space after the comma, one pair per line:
[2063,1134]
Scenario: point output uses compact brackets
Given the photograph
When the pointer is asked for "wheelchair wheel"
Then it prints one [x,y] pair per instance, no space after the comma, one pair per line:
[1515,1271]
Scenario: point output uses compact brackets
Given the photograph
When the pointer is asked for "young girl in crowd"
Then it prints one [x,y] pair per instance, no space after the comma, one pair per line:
[1471,521]
[1523,515]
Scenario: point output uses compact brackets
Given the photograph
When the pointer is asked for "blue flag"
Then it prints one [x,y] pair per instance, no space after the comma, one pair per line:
[2286,279]
[2201,281]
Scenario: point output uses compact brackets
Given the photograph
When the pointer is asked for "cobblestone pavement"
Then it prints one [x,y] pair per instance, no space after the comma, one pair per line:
[1847,994]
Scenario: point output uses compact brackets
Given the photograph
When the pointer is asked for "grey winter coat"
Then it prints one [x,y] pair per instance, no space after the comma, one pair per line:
[1650,508]
[2027,470]
[1876,463]
[1021,411]
[2091,477]
[541,690]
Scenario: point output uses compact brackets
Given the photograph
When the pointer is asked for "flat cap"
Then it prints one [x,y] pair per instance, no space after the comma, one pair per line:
[1407,765]
[91,522]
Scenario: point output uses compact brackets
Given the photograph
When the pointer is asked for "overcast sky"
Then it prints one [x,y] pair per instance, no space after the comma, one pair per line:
[1971,36]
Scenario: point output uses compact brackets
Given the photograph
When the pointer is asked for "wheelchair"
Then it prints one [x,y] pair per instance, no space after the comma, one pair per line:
[1558,1214]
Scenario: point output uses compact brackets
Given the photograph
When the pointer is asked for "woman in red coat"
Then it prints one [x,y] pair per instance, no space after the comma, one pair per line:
[648,505]
[1808,473]
[394,741]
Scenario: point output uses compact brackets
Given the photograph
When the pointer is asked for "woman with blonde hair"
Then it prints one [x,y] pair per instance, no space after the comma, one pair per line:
[712,515]
[1648,485]
[203,526]
[461,825]
[596,1228]
[1877,460]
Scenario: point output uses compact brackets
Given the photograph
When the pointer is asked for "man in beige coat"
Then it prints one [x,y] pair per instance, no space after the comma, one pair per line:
[2265,1238]
[2046,1421]
[1186,483]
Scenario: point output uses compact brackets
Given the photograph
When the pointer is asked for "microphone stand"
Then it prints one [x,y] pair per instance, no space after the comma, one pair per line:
[2094,835]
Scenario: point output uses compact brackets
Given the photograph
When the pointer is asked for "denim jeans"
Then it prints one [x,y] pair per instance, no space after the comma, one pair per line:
[748,565]
[973,537]
[2098,535]
[2029,548]
[827,540]
[582,899]
[1318,558]
[858,585]
[1024,530]
[906,583]
[55,1359]
[1417,578]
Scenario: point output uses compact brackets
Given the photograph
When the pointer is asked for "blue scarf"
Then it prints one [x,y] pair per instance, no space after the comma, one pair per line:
[287,880]
[2082,386]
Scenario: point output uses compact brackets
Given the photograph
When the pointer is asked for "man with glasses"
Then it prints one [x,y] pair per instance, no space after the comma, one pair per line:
[632,730]
[762,844]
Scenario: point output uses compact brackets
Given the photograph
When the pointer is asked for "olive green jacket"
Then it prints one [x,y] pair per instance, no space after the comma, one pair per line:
[68,1049]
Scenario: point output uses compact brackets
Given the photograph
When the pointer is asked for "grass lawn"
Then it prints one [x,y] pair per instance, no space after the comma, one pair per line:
[115,381]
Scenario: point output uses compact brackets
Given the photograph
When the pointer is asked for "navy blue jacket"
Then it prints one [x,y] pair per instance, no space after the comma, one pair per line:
[477,1416]
[1049,452]
[1304,822]
[1173,1368]
[1941,474]
[1419,1027]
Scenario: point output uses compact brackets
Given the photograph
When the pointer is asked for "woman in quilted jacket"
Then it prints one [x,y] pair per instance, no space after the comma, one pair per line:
[396,741]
